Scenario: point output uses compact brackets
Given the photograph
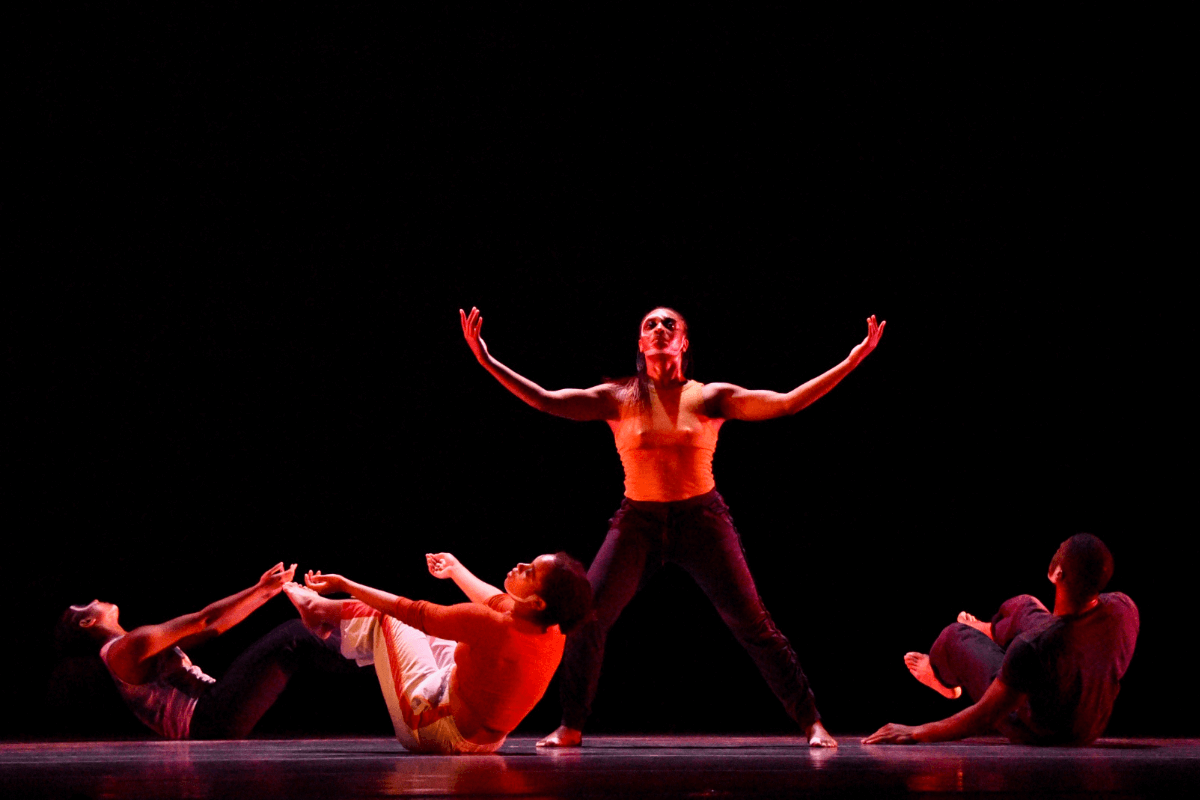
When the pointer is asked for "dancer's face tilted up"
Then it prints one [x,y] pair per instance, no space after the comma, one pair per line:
[663,333]
[96,612]
[525,580]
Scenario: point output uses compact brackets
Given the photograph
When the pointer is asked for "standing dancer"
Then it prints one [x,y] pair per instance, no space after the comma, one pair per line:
[666,427]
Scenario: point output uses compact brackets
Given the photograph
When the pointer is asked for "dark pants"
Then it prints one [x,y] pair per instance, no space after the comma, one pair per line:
[698,535]
[232,706]
[963,656]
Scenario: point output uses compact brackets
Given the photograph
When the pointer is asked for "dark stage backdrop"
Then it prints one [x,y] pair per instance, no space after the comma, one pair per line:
[238,245]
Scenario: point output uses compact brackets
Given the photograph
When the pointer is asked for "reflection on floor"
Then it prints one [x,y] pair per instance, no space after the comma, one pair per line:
[626,766]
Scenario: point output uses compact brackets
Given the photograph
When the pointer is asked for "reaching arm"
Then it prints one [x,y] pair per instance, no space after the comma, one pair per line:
[980,718]
[377,599]
[445,565]
[129,655]
[598,402]
[460,623]
[733,402]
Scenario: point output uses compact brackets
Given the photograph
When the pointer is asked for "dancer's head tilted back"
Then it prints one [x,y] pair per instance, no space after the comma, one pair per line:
[560,583]
[1086,566]
[84,629]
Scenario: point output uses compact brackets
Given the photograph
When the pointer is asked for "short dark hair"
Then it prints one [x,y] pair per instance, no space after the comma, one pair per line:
[1087,566]
[566,592]
[71,638]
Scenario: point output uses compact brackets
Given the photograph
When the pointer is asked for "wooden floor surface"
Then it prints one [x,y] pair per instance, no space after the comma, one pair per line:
[607,766]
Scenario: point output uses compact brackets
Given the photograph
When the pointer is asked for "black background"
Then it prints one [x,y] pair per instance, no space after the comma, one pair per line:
[238,243]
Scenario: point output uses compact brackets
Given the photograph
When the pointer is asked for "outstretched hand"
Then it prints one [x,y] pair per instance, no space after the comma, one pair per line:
[471,325]
[893,733]
[324,584]
[442,565]
[273,579]
[864,348]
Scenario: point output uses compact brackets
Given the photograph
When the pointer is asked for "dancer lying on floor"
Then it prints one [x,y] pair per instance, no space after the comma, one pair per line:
[171,695]
[456,679]
[1036,677]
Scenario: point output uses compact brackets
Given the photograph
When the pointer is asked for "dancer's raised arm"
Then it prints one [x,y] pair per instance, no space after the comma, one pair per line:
[130,653]
[464,622]
[728,401]
[375,598]
[598,402]
[445,565]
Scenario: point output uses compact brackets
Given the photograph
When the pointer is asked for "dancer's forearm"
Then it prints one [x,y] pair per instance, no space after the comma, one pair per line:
[144,642]
[754,405]
[979,718]
[382,601]
[478,591]
[599,402]
[733,402]
[576,404]
[518,384]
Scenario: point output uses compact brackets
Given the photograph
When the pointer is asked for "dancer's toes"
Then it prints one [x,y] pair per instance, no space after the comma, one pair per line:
[819,737]
[918,664]
[562,737]
[970,619]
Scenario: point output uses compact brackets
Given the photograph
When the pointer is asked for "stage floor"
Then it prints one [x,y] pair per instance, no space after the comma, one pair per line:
[627,766]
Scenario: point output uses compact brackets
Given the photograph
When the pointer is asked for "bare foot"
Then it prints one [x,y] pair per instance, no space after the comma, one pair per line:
[562,737]
[314,609]
[970,619]
[819,737]
[918,664]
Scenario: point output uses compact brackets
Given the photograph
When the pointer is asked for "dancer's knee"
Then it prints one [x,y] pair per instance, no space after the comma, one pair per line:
[756,630]
[950,641]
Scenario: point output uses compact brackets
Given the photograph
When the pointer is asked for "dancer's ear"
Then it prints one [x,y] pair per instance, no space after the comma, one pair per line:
[1055,574]
[533,603]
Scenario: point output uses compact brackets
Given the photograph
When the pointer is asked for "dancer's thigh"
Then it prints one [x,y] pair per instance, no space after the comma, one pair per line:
[629,556]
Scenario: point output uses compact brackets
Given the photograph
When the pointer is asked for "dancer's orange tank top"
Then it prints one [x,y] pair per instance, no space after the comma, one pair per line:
[667,446]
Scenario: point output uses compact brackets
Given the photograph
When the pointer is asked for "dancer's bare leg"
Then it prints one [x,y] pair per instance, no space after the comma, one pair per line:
[320,615]
[818,736]
[562,737]
[918,664]
[969,619]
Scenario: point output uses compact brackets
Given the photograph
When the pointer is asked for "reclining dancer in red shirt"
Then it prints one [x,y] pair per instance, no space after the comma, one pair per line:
[456,679]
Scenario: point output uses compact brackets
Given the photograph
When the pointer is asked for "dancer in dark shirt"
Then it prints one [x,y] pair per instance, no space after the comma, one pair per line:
[1035,676]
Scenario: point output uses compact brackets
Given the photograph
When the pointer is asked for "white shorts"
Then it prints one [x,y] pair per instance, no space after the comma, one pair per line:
[414,671]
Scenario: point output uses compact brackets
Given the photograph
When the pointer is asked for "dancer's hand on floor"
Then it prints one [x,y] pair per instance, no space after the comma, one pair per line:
[892,734]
